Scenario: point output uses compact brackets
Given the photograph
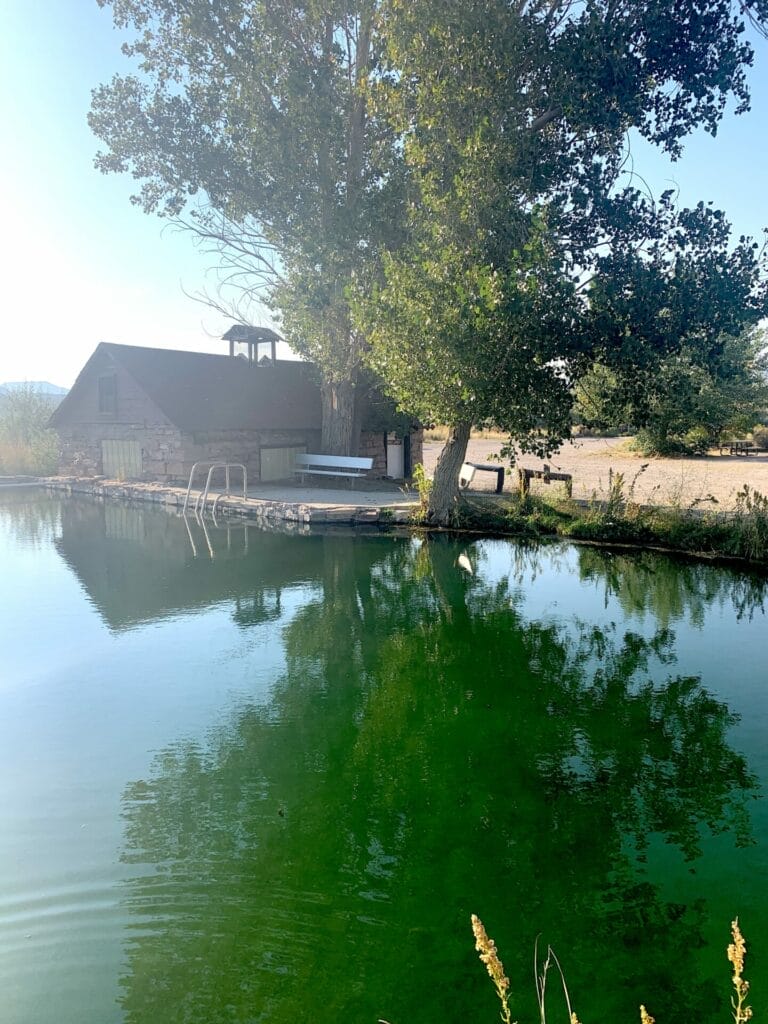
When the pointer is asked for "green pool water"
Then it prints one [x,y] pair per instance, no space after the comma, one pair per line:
[248,776]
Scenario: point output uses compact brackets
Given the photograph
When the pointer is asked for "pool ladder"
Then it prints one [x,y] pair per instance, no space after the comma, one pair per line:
[202,496]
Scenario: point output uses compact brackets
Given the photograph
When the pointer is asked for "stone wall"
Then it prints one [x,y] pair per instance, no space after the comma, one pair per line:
[168,455]
[80,450]
[372,447]
[136,418]
[242,446]
[281,515]
[133,406]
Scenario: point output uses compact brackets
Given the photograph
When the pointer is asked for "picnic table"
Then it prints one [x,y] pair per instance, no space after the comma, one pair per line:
[740,448]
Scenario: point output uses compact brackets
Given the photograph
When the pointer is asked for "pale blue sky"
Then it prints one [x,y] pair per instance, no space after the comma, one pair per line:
[82,265]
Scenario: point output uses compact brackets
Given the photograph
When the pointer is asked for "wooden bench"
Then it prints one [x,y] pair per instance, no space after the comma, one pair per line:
[332,465]
[468,470]
[524,477]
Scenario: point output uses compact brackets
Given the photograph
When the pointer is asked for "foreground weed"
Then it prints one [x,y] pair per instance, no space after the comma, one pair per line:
[736,953]
[486,947]
[541,984]
[423,485]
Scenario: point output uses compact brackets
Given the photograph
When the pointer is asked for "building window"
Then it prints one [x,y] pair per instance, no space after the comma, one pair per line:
[108,394]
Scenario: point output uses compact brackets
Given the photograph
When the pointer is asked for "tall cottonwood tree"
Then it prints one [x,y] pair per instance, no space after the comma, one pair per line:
[525,262]
[248,120]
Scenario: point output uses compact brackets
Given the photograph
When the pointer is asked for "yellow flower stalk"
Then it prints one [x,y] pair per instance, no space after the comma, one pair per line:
[486,947]
[736,953]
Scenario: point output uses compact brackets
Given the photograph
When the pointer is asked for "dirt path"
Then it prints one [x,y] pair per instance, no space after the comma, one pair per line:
[591,461]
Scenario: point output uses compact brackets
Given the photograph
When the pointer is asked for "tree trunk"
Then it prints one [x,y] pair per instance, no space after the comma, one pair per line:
[338,433]
[445,485]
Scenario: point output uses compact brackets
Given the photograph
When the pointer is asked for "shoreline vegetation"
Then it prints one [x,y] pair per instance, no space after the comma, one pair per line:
[27,446]
[738,535]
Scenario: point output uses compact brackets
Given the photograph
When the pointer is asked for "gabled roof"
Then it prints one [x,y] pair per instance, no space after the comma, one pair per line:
[201,392]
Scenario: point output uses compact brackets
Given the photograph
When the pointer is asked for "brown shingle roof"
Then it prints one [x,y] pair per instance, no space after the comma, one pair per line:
[202,392]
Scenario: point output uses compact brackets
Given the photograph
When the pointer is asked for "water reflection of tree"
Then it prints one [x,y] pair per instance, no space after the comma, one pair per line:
[31,519]
[427,754]
[672,589]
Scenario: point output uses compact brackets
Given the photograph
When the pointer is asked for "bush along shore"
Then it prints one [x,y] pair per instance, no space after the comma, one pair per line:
[737,535]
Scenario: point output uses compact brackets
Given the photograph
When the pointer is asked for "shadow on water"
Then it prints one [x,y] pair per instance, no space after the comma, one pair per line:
[427,754]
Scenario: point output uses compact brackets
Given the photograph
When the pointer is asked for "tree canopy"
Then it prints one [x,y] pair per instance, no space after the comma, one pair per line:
[527,256]
[458,169]
[690,401]
[247,119]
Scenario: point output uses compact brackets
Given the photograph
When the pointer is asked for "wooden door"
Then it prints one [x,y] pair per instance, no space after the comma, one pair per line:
[121,460]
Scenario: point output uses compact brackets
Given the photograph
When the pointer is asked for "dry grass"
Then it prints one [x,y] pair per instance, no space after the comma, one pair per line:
[670,482]
[440,433]
[736,953]
[33,460]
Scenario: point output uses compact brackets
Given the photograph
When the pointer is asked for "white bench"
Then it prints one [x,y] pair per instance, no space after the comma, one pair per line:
[468,470]
[332,465]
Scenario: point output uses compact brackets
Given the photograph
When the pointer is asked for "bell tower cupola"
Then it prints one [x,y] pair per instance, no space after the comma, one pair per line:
[252,338]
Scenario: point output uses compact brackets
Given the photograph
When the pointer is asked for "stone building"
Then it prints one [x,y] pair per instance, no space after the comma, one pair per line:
[149,414]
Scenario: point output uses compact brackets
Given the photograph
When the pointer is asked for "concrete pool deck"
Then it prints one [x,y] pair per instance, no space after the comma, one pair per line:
[368,502]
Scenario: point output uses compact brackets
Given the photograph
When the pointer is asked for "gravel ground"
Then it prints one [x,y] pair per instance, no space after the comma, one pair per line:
[662,482]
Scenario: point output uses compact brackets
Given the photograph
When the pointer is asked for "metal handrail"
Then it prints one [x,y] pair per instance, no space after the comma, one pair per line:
[201,498]
[226,466]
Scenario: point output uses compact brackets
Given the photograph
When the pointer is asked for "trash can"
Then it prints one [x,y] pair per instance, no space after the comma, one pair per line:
[395,458]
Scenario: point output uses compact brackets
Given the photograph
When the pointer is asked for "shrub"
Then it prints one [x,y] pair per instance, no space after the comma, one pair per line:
[698,440]
[26,446]
[39,458]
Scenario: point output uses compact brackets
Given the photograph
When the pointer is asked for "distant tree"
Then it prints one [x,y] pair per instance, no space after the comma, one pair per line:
[688,403]
[26,445]
[257,109]
[525,263]
[24,413]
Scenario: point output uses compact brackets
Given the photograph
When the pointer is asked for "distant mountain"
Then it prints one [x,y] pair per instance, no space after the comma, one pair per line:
[43,386]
